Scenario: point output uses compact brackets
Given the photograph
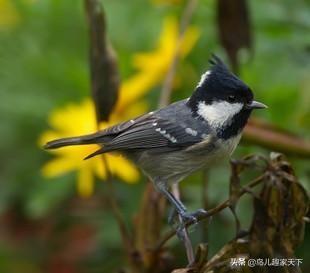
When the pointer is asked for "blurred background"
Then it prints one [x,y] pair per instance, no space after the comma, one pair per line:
[55,215]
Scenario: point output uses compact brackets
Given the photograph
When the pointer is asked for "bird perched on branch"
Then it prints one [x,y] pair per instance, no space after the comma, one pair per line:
[171,143]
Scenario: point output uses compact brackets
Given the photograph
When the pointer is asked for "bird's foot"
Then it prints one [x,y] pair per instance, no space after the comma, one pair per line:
[192,217]
[199,213]
[186,218]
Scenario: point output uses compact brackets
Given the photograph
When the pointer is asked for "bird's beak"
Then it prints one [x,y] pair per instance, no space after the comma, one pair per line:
[256,105]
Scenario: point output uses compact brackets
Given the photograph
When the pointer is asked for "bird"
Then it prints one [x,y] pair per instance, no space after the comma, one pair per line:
[172,142]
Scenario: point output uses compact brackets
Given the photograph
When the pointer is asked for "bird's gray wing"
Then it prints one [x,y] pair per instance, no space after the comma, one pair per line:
[152,132]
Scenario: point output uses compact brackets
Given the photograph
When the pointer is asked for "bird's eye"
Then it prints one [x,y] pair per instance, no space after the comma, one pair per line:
[231,98]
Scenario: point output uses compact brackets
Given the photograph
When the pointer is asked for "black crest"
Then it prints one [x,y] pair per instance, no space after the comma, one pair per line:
[218,83]
[215,60]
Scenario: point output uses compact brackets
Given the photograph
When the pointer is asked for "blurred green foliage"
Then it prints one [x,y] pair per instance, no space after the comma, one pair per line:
[44,65]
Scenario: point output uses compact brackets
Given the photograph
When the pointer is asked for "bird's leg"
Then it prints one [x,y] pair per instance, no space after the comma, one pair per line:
[177,204]
[181,209]
[172,216]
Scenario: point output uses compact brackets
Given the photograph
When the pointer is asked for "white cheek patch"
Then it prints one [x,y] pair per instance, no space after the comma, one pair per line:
[203,78]
[218,113]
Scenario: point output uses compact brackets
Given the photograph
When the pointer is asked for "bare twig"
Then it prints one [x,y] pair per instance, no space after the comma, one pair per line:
[185,20]
[213,211]
[187,241]
[205,201]
[126,236]
[269,136]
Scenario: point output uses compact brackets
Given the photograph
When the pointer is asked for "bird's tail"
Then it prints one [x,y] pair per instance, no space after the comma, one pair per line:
[79,140]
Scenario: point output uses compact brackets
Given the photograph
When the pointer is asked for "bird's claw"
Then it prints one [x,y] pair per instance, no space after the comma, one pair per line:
[193,216]
[188,218]
[183,218]
[200,212]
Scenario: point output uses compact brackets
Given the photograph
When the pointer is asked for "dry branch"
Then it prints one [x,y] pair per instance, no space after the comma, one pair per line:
[277,227]
[266,135]
[234,28]
[103,66]
[105,87]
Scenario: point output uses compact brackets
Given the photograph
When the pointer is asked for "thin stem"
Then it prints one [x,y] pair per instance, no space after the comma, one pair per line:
[205,201]
[115,208]
[187,242]
[185,20]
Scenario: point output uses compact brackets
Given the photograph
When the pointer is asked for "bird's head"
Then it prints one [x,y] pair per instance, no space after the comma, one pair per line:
[221,98]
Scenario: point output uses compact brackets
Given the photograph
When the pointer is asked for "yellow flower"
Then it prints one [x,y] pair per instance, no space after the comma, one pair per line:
[152,66]
[8,14]
[79,119]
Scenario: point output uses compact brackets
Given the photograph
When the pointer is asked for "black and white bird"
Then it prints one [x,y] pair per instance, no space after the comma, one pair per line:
[173,142]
